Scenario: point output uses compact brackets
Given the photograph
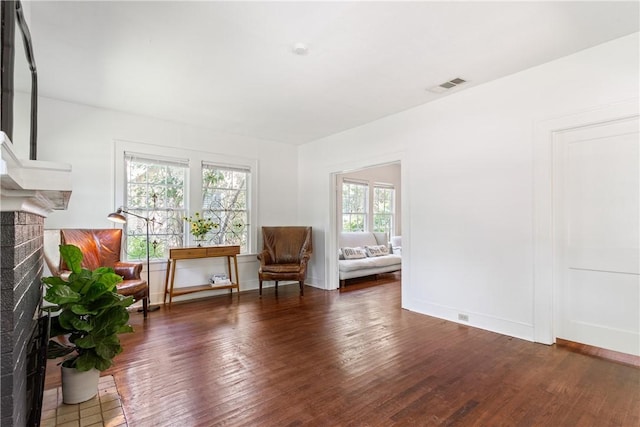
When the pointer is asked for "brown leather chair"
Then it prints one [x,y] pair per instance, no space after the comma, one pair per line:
[101,248]
[286,252]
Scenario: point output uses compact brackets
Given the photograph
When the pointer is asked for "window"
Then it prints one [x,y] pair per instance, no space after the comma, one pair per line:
[383,208]
[354,205]
[169,184]
[154,188]
[225,202]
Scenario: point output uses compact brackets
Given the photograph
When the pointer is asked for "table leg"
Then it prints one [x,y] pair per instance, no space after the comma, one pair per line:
[173,275]
[166,282]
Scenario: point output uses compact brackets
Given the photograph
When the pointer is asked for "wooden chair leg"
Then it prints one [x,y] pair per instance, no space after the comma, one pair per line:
[301,288]
[145,306]
[260,284]
[276,288]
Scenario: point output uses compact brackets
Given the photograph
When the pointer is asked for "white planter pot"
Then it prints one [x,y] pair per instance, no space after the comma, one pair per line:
[79,386]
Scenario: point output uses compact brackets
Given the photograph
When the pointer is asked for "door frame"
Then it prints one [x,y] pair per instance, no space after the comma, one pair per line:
[331,266]
[544,235]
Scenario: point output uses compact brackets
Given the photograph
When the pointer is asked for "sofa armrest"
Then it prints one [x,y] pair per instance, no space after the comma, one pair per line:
[128,270]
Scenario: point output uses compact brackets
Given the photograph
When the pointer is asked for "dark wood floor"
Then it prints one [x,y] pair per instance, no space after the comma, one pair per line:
[353,358]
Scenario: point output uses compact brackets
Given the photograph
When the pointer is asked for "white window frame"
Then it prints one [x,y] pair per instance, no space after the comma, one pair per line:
[159,221]
[392,214]
[221,217]
[366,212]
[193,195]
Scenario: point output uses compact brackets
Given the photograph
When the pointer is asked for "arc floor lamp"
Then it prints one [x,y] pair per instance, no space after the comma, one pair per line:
[119,217]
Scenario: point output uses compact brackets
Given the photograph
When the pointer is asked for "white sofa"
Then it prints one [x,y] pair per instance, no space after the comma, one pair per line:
[369,265]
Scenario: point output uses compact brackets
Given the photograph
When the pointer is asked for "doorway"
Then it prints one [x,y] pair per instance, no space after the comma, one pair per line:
[382,176]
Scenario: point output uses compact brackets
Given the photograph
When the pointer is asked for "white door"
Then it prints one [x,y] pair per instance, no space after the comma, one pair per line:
[597,235]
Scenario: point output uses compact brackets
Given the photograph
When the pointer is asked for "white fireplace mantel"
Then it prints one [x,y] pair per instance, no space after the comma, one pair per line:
[32,186]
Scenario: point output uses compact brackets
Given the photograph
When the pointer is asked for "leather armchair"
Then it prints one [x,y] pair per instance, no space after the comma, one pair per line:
[101,248]
[286,252]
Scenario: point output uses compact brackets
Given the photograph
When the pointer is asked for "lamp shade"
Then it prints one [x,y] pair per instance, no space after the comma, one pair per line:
[117,217]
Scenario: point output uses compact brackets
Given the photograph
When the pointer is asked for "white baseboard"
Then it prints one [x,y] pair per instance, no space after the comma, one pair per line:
[477,320]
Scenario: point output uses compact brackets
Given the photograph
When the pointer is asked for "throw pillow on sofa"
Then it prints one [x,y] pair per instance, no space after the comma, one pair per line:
[354,253]
[378,250]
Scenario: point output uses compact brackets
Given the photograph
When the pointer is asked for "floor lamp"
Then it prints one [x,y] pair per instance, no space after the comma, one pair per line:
[119,217]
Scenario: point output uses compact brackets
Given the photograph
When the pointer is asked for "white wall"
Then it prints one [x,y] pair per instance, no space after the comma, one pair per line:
[84,137]
[466,179]
[467,183]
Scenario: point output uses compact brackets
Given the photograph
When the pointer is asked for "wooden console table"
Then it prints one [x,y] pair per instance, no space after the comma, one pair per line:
[200,252]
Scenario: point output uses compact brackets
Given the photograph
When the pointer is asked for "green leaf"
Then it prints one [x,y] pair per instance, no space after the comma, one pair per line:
[81,309]
[105,301]
[81,324]
[96,290]
[61,294]
[72,256]
[109,322]
[110,279]
[103,364]
[53,281]
[87,341]
[76,283]
[108,349]
[64,320]
[86,361]
[87,278]
[73,322]
[125,301]
[103,270]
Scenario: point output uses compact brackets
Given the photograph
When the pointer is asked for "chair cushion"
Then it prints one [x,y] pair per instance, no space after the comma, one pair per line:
[281,268]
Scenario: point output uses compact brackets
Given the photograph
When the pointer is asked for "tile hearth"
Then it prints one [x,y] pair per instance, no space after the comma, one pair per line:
[104,410]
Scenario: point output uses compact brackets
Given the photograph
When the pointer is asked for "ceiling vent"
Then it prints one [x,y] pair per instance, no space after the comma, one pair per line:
[443,87]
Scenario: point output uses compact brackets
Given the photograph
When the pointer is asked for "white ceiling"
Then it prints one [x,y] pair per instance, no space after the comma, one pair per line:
[229,66]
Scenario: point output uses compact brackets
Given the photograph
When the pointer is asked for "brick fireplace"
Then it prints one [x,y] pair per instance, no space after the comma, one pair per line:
[29,191]
[22,371]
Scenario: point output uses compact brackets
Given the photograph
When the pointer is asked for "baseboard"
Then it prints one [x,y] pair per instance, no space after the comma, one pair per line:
[602,353]
[477,320]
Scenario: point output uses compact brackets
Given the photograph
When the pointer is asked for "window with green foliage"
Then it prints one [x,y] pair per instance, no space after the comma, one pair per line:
[154,188]
[225,200]
[354,206]
[171,185]
[383,208]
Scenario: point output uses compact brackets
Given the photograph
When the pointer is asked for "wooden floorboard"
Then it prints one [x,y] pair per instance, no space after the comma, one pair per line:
[353,358]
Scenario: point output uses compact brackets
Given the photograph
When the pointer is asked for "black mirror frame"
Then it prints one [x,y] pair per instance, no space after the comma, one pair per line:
[12,13]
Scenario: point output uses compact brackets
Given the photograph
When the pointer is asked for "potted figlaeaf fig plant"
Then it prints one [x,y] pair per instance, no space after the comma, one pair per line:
[87,314]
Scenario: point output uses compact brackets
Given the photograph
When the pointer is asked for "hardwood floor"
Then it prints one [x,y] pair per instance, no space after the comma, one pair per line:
[353,358]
